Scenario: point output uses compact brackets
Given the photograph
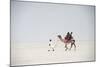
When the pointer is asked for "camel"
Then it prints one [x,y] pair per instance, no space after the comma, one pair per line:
[66,42]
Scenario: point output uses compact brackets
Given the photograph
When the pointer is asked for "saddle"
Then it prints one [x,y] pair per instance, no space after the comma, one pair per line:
[68,39]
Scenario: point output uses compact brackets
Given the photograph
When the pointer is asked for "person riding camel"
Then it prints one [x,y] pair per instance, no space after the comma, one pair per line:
[68,36]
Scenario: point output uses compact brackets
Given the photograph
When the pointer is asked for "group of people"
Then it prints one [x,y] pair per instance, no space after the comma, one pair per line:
[69,36]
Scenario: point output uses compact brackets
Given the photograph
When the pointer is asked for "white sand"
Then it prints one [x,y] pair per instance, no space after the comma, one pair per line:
[29,54]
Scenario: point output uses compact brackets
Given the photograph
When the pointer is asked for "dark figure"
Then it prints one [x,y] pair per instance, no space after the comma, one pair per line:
[50,41]
[67,36]
[50,45]
[70,36]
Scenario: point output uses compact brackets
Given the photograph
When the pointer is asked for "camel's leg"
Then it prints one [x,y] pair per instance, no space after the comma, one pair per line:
[66,47]
[71,46]
[74,46]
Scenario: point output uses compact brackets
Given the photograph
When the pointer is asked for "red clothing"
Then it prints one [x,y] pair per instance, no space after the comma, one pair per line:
[68,37]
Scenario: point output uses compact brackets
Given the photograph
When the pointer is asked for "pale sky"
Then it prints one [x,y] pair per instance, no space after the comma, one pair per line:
[38,22]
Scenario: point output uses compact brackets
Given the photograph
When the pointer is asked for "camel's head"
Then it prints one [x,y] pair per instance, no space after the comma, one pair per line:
[59,36]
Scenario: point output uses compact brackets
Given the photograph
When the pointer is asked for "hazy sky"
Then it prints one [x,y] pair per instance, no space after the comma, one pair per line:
[38,22]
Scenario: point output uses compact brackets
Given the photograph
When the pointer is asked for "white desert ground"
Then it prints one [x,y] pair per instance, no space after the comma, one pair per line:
[37,53]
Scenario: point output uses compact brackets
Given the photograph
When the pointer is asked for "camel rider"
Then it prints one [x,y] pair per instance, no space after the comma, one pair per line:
[68,36]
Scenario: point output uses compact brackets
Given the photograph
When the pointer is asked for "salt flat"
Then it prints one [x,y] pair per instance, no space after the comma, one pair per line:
[37,53]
